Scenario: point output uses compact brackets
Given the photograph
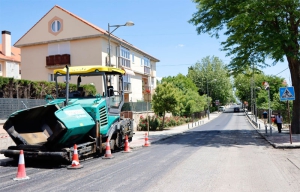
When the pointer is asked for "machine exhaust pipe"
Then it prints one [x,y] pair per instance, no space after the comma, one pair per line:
[67,86]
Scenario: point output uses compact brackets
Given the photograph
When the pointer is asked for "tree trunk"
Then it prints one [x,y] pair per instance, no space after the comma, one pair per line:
[294,66]
[163,122]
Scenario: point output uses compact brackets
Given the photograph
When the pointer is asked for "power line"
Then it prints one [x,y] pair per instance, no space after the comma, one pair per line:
[281,72]
[158,65]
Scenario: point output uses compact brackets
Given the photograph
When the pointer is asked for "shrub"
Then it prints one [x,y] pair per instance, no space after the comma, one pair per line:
[155,122]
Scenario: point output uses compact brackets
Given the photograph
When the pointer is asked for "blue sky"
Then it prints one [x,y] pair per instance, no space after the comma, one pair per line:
[161,28]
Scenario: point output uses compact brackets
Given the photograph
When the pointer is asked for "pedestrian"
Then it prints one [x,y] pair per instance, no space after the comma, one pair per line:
[265,116]
[279,122]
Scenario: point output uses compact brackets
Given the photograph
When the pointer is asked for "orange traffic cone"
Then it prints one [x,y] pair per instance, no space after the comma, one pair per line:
[75,160]
[108,154]
[126,148]
[21,175]
[147,144]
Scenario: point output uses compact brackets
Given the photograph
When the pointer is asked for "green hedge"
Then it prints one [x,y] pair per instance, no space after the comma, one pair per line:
[20,88]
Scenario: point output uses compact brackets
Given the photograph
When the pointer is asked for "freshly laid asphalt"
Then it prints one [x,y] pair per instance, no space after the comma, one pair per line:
[277,140]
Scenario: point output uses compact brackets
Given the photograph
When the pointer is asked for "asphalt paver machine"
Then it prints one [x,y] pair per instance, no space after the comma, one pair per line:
[73,117]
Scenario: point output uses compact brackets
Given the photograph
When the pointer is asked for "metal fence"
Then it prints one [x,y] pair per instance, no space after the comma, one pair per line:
[137,106]
[10,105]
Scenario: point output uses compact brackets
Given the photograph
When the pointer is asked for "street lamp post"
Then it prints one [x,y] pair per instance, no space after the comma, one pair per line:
[256,89]
[207,99]
[128,23]
[267,87]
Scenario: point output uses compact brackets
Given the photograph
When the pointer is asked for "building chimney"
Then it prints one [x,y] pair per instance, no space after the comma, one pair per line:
[6,43]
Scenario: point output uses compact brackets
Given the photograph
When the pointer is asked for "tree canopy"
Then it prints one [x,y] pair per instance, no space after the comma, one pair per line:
[256,30]
[189,101]
[164,99]
[210,75]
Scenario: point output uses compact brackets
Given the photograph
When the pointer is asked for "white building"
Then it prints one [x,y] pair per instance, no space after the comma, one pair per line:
[10,58]
[61,38]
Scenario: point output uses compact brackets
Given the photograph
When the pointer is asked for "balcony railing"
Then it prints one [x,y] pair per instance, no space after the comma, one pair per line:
[146,70]
[146,89]
[147,93]
[127,87]
[58,60]
[124,62]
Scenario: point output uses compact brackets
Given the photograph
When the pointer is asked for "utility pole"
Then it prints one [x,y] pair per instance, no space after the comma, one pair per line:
[207,98]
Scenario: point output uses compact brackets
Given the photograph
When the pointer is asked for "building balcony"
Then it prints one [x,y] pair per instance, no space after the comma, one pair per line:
[53,61]
[124,63]
[147,93]
[127,87]
[147,90]
[146,70]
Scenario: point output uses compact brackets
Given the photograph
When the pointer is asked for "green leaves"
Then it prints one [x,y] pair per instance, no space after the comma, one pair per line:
[210,75]
[242,83]
[164,98]
[178,95]
[256,29]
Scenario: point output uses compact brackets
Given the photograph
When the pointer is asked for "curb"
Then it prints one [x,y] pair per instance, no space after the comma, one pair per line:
[276,146]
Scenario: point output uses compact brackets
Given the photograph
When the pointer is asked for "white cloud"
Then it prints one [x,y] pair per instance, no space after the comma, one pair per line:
[180,45]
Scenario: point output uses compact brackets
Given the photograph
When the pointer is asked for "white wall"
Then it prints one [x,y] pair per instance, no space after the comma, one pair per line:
[12,69]
[136,86]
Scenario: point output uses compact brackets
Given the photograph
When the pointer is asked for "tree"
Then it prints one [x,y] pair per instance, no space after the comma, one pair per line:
[189,101]
[256,30]
[164,99]
[243,84]
[210,74]
[243,89]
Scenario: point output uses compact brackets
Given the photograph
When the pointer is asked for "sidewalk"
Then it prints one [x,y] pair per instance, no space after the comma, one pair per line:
[277,140]
[5,139]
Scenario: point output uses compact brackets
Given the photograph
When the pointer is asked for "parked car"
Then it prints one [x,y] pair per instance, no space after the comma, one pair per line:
[221,109]
[236,109]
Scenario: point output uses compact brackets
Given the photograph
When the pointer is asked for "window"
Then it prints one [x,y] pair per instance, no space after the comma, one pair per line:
[124,57]
[55,26]
[50,77]
[145,62]
[0,67]
[59,48]
[125,53]
[126,78]
[132,57]
[127,84]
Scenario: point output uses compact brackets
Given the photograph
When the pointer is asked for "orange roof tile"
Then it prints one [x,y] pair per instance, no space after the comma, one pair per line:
[16,54]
